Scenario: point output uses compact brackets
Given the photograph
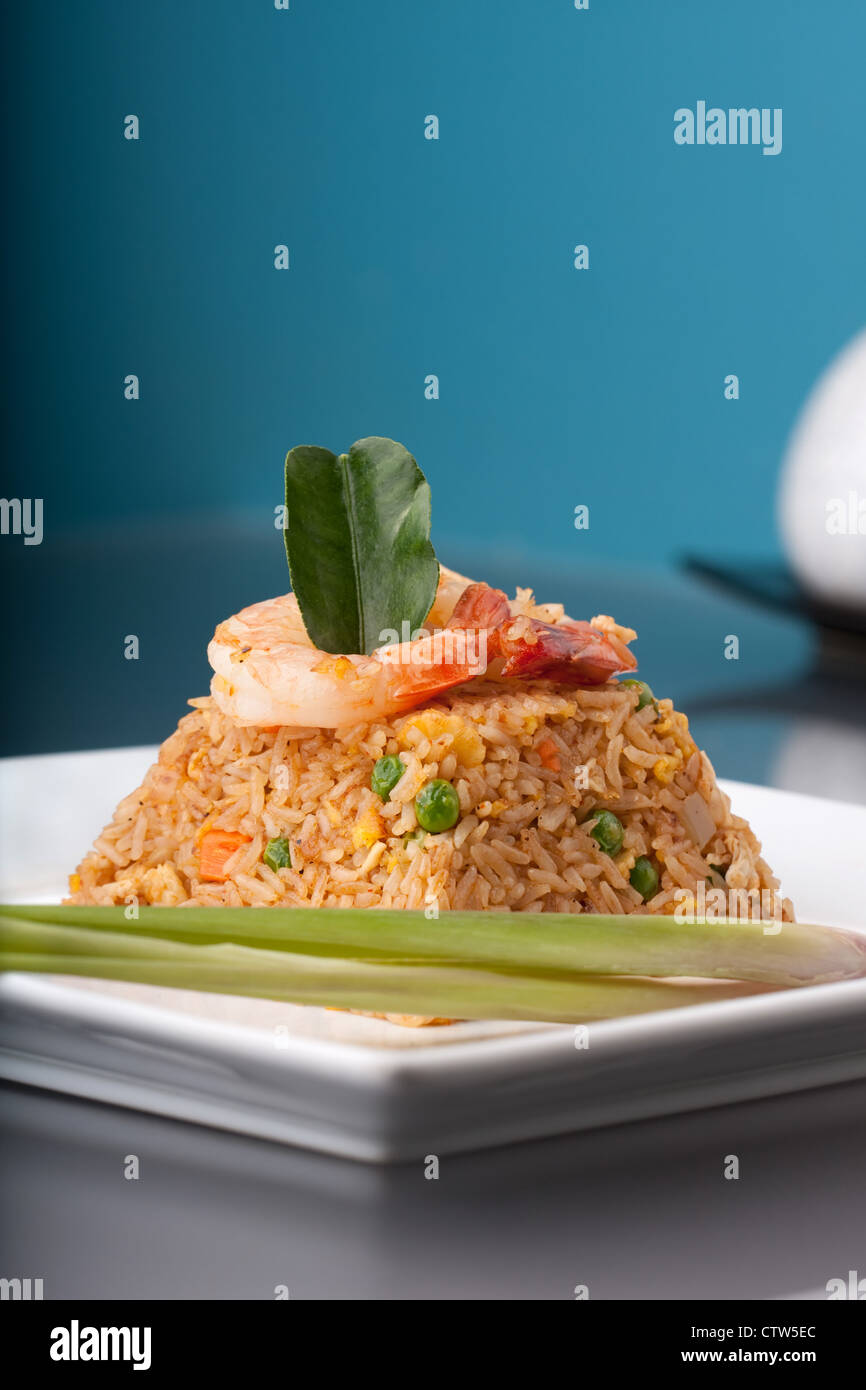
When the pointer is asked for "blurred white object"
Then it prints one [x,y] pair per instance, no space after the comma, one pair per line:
[822,498]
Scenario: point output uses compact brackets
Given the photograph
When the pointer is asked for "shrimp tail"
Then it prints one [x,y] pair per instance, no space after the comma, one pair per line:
[479,606]
[574,653]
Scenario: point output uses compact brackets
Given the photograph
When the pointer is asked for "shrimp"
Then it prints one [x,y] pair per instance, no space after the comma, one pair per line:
[267,671]
[576,653]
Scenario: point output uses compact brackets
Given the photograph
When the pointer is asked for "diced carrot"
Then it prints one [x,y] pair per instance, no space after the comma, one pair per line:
[548,754]
[215,850]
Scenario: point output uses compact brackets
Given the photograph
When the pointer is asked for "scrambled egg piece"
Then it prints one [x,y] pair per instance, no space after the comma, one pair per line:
[162,885]
[666,768]
[466,742]
[194,764]
[368,828]
[676,726]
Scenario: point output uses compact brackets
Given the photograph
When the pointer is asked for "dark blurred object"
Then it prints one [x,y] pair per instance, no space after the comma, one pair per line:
[841,630]
[774,585]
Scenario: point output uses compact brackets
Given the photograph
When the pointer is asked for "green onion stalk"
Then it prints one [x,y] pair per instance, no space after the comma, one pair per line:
[548,967]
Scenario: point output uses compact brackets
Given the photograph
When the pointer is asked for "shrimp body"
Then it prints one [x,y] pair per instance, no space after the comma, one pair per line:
[267,671]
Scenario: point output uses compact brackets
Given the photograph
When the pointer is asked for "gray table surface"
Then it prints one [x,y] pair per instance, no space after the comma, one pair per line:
[634,1212]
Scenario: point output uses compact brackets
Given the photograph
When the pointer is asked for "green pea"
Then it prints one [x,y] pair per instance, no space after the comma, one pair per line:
[645,695]
[385,775]
[278,854]
[607,832]
[437,806]
[644,878]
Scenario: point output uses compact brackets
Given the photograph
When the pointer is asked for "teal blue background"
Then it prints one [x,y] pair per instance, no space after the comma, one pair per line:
[409,257]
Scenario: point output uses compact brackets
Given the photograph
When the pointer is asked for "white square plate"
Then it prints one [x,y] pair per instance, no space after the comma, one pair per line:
[362,1088]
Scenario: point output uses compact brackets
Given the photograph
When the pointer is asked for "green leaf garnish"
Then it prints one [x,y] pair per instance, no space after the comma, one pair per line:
[358,543]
